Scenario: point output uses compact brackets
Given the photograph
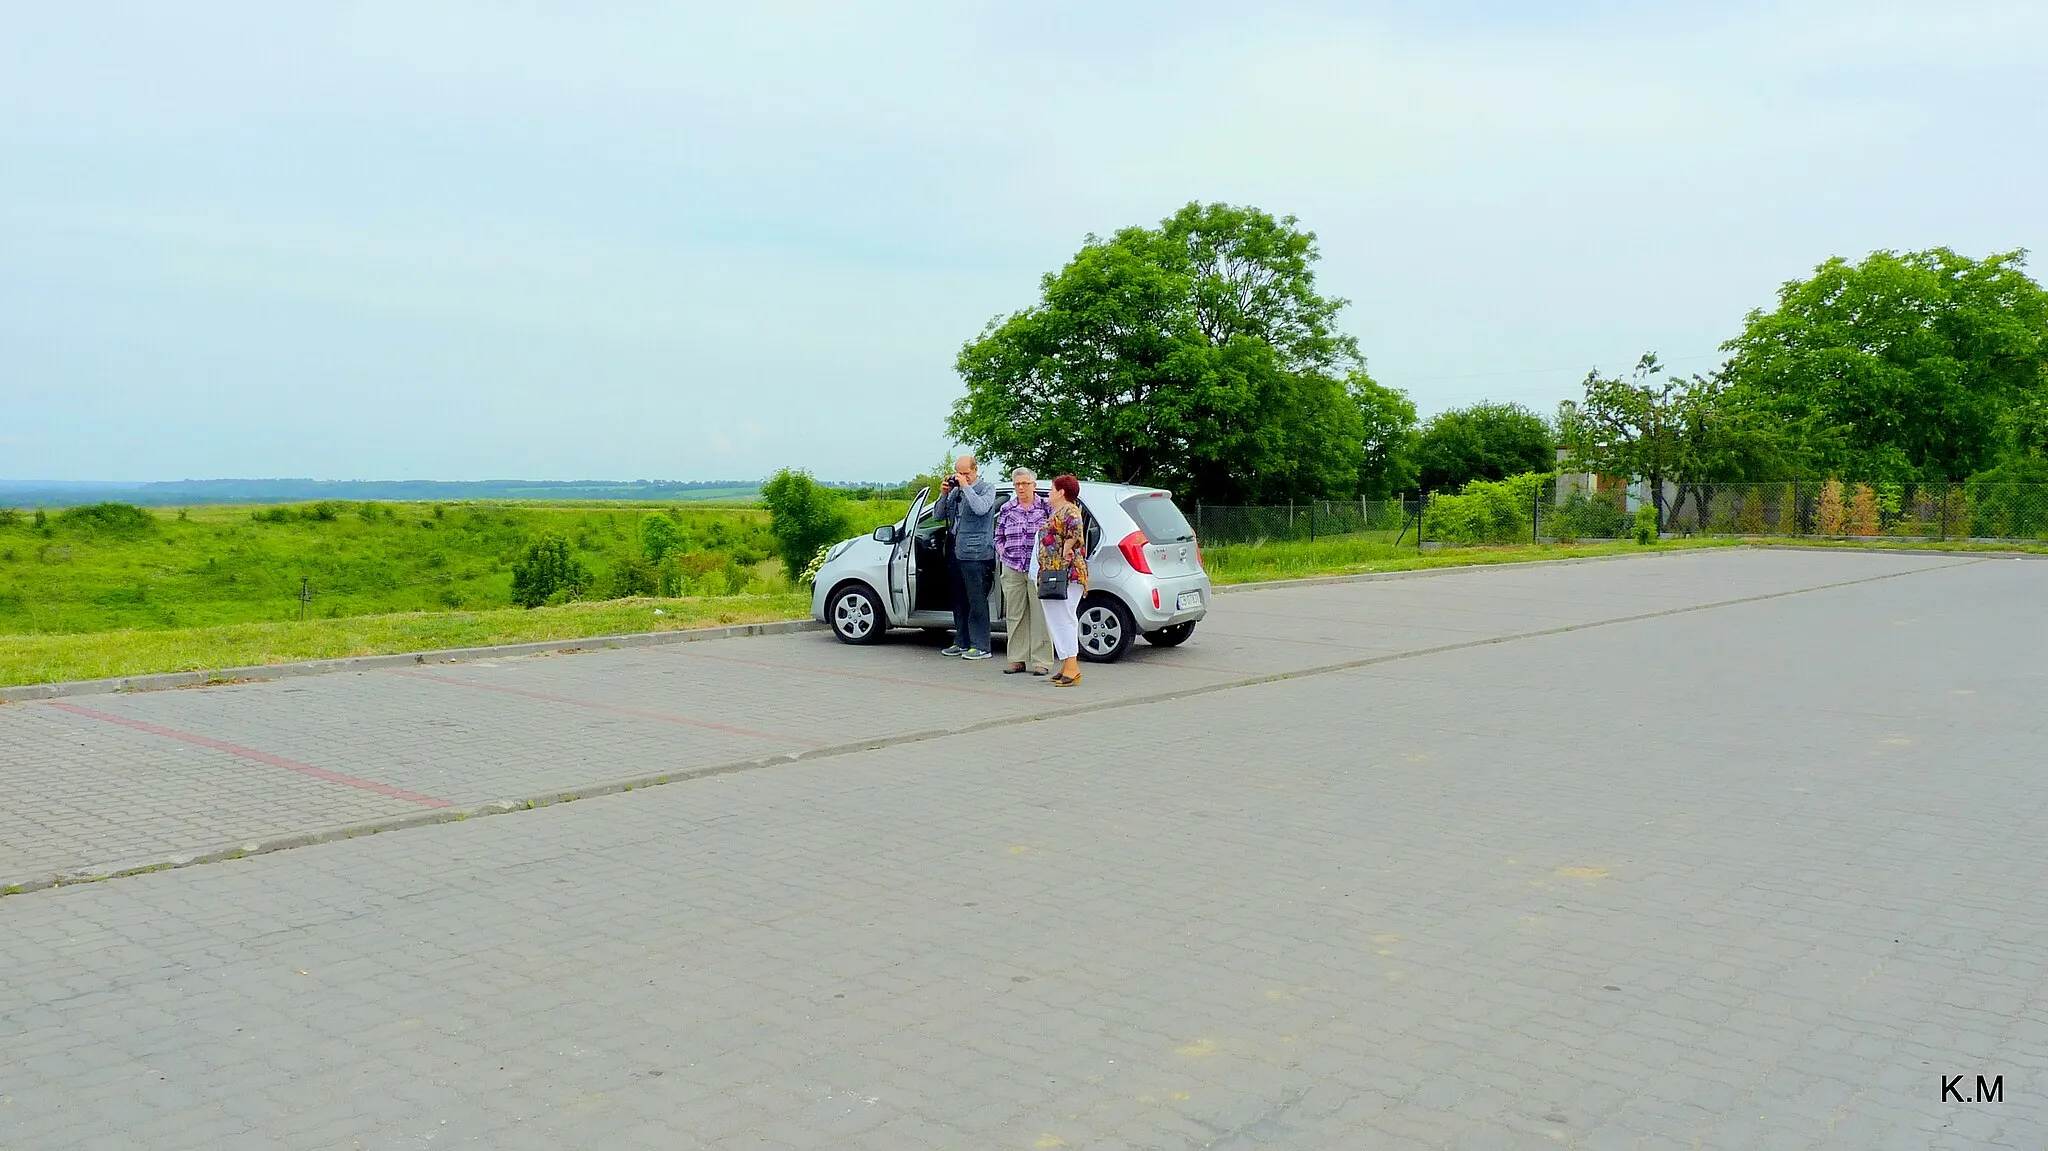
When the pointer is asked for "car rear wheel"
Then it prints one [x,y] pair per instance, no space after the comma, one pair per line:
[856,615]
[1171,636]
[1107,629]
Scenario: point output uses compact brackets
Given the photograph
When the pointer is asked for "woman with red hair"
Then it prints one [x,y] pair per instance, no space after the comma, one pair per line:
[1063,568]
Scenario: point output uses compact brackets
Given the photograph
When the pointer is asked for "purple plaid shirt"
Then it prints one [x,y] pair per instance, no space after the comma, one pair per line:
[1017,532]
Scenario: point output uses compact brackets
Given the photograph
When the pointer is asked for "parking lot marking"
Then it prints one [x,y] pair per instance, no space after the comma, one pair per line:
[613,708]
[263,757]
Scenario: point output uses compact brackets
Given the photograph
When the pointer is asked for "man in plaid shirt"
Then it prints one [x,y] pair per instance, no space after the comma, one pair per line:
[1017,525]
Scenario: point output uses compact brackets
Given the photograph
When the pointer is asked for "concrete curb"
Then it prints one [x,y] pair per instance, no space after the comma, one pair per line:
[592,791]
[170,679]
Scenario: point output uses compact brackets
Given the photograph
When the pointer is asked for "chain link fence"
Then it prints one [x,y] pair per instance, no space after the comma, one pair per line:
[1823,509]
[1830,509]
[1319,519]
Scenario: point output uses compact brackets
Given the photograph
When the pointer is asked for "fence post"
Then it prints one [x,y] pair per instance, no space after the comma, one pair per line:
[1798,506]
[1421,507]
[1944,512]
[1535,497]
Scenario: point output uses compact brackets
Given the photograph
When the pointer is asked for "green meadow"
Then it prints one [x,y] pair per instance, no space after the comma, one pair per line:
[119,569]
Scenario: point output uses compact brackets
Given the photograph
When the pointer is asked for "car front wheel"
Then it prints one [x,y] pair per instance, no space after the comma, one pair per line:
[856,615]
[1107,629]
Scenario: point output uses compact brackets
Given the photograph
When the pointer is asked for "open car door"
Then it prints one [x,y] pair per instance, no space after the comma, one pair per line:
[902,563]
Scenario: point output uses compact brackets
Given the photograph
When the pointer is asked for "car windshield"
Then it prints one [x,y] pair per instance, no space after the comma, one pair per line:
[1161,522]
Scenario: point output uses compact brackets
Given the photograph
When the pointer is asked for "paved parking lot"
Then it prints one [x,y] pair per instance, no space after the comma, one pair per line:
[1730,849]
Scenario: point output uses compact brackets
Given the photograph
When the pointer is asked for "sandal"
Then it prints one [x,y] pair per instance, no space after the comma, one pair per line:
[1014,669]
[1066,681]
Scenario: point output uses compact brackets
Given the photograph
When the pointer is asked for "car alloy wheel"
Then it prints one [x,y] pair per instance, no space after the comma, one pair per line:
[856,617]
[1106,629]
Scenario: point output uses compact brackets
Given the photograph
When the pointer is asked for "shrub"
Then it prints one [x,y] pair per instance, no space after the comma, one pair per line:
[660,534]
[1862,519]
[547,572]
[803,517]
[9,518]
[1646,524]
[810,572]
[1486,511]
[632,575]
[108,519]
[1586,515]
[1829,513]
[1749,520]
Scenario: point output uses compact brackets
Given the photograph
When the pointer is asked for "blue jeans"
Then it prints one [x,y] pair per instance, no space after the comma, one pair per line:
[970,602]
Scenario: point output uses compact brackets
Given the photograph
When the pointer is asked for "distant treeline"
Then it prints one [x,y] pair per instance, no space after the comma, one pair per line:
[59,494]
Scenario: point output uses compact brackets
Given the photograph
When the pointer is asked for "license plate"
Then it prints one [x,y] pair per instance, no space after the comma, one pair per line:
[1188,599]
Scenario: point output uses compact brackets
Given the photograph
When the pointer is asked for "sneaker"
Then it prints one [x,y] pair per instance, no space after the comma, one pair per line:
[977,653]
[954,649]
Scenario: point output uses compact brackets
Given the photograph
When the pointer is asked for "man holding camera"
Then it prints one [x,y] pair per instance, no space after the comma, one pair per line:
[968,502]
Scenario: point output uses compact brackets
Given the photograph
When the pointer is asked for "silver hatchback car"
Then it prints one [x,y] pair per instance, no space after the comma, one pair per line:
[1145,575]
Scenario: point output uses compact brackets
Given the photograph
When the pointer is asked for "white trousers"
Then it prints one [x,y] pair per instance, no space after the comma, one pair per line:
[1060,622]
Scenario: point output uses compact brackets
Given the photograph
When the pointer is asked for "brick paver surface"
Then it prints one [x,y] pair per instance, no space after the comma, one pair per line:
[1752,875]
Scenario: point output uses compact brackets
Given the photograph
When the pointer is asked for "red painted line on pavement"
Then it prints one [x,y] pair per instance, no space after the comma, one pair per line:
[762,663]
[615,709]
[306,769]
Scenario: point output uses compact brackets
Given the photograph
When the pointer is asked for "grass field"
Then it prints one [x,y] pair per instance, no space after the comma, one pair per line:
[76,573]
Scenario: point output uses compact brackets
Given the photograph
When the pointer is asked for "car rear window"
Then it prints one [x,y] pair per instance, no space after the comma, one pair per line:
[1161,522]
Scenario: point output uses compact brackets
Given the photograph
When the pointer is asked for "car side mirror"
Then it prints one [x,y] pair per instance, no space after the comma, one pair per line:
[886,534]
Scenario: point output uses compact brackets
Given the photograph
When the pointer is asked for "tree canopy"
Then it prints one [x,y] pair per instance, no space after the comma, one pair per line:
[1197,356]
[1923,365]
[1486,441]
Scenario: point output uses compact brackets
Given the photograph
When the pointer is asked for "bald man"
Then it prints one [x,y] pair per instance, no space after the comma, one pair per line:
[969,502]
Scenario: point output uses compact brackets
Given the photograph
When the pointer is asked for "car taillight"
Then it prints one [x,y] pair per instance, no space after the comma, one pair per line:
[1155,597]
[1133,547]
[1198,556]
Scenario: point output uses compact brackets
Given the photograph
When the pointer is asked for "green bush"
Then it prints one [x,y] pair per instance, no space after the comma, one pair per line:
[661,534]
[1646,524]
[1486,511]
[810,572]
[107,519]
[632,575]
[9,517]
[803,516]
[1586,516]
[548,572]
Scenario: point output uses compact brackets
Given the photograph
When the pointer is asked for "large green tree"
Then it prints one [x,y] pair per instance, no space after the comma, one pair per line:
[1679,430]
[1387,423]
[1486,441]
[1197,356]
[1904,366]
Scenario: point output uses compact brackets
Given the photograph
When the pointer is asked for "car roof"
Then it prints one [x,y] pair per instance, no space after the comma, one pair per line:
[1117,492]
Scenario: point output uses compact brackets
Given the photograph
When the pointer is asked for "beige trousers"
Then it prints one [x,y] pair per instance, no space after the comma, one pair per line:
[1028,642]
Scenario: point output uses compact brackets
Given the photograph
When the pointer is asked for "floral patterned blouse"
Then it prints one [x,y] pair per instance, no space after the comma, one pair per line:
[1063,544]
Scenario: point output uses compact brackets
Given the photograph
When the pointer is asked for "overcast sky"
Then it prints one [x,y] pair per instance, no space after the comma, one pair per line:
[456,241]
